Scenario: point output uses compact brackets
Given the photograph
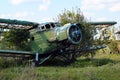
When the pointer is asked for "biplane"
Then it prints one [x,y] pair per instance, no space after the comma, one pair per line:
[49,40]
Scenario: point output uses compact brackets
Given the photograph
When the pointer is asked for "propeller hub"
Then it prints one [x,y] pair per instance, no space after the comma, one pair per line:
[74,34]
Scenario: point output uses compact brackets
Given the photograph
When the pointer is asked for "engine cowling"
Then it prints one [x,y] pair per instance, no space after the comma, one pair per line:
[70,32]
[74,34]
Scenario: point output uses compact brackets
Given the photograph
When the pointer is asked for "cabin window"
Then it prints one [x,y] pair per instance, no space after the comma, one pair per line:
[52,24]
[47,26]
[42,27]
[32,38]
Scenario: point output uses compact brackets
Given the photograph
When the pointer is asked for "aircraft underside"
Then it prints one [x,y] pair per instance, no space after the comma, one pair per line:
[66,55]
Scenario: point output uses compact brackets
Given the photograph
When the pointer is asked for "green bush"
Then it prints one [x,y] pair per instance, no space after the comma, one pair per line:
[113,47]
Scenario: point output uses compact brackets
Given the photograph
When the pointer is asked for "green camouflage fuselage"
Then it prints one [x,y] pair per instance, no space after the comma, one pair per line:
[45,38]
[40,43]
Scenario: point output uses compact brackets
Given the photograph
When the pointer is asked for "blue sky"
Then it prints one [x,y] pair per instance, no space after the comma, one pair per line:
[45,10]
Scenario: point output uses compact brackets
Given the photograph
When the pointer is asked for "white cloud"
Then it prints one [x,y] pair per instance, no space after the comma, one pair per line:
[45,5]
[102,19]
[98,4]
[5,15]
[88,14]
[47,19]
[115,7]
[92,4]
[20,14]
[17,2]
[93,9]
[42,7]
[17,15]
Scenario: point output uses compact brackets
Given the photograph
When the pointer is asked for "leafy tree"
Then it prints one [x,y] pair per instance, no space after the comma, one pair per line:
[17,38]
[76,16]
[73,16]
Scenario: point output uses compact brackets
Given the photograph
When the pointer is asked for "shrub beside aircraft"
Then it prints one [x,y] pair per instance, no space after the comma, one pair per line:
[49,40]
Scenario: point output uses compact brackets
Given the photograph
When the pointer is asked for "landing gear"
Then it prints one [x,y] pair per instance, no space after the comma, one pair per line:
[66,55]
[38,61]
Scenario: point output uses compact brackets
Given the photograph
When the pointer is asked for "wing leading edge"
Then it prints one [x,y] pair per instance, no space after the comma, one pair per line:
[17,24]
[15,52]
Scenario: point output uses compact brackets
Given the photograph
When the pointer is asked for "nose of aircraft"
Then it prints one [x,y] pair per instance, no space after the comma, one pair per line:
[75,34]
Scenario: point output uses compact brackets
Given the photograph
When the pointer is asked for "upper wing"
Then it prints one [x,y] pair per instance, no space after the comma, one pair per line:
[103,23]
[16,24]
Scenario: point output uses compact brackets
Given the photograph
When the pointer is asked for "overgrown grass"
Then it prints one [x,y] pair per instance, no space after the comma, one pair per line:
[101,67]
